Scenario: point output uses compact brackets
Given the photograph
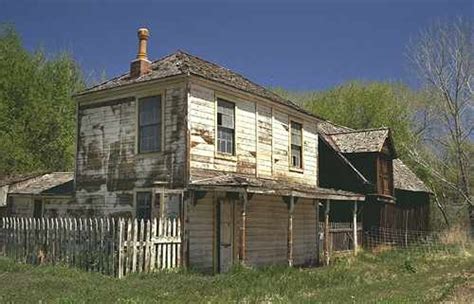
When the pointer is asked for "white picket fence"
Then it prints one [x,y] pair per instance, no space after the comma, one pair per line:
[106,245]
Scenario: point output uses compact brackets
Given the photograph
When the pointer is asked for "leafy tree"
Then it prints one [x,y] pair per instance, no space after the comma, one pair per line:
[367,105]
[37,114]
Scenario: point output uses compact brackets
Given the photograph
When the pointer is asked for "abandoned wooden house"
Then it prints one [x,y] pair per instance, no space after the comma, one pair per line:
[250,173]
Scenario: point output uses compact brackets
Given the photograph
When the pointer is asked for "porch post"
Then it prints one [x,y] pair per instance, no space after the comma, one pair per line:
[291,208]
[316,204]
[243,215]
[186,199]
[354,224]
[326,232]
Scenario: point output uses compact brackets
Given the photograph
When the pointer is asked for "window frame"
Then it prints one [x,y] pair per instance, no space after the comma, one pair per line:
[220,153]
[299,169]
[38,202]
[161,128]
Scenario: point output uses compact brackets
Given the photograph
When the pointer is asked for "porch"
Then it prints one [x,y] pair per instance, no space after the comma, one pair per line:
[234,219]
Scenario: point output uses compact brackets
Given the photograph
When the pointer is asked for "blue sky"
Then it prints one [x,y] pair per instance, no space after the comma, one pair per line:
[292,44]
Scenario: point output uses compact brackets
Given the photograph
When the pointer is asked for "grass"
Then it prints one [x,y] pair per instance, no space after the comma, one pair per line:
[387,277]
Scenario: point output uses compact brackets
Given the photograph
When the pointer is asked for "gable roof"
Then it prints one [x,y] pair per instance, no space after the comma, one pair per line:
[360,141]
[404,178]
[182,63]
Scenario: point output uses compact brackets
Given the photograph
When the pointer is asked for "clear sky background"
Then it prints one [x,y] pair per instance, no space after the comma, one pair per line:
[292,44]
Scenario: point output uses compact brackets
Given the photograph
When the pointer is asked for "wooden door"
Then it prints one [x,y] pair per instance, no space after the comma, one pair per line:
[226,242]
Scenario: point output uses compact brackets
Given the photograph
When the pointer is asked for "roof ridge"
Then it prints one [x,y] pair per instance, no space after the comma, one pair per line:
[359,130]
[242,76]
[128,73]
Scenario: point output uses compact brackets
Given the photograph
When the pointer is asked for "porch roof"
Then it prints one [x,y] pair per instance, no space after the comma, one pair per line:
[240,183]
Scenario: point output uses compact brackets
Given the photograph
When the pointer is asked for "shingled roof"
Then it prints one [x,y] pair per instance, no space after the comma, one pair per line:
[404,178]
[360,141]
[44,184]
[182,63]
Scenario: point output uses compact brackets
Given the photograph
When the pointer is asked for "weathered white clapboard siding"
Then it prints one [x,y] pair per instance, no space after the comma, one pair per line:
[262,138]
[304,232]
[108,167]
[201,233]
[264,143]
[266,231]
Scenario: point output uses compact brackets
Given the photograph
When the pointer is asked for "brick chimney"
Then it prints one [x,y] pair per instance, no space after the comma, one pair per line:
[141,65]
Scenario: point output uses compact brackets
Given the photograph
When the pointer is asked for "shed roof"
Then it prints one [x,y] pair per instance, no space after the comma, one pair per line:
[404,178]
[49,183]
[360,141]
[182,63]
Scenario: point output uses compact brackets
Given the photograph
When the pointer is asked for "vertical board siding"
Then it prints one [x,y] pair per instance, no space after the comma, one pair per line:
[304,233]
[267,231]
[201,233]
[105,245]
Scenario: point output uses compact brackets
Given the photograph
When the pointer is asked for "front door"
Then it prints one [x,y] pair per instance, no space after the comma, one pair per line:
[226,235]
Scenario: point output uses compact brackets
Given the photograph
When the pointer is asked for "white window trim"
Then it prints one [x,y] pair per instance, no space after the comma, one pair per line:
[218,154]
[290,163]
[137,119]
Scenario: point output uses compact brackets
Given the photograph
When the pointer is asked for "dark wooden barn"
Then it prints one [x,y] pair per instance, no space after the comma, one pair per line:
[365,161]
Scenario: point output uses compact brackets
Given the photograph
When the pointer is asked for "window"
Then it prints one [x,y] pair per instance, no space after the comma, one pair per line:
[296,145]
[143,206]
[225,126]
[149,121]
[38,209]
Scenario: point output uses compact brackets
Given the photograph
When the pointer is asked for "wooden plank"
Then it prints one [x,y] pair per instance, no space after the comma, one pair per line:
[243,234]
[154,223]
[291,209]
[160,245]
[354,223]
[140,243]
[120,243]
[326,232]
[129,253]
[134,246]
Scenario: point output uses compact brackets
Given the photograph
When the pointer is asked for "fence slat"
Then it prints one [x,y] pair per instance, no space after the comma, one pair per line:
[105,245]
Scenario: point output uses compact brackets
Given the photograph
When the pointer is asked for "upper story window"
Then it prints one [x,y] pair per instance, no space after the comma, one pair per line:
[296,145]
[149,122]
[225,126]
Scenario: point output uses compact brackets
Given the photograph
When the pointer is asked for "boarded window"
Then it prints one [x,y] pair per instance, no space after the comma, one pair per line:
[38,209]
[296,145]
[149,120]
[225,126]
[143,206]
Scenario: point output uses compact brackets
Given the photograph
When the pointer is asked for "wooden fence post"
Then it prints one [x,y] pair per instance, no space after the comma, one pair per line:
[120,240]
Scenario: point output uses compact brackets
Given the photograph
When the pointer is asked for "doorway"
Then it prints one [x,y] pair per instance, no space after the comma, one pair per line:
[226,234]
